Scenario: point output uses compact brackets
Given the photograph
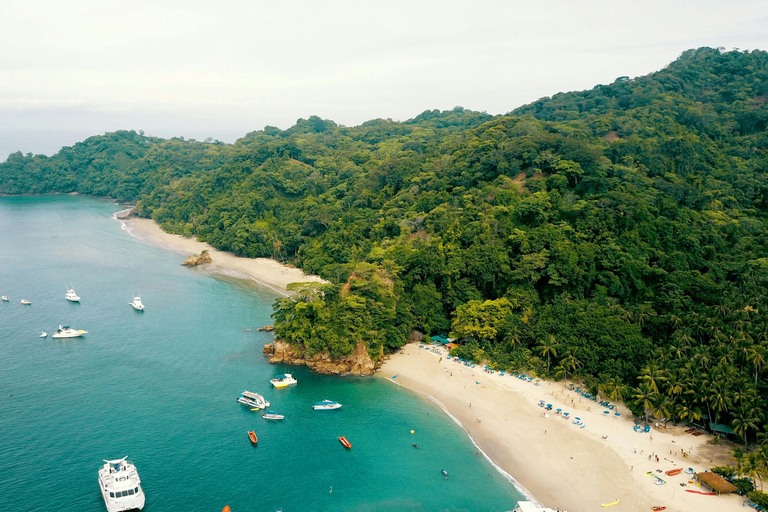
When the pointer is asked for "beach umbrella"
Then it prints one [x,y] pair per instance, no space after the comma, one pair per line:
[606,412]
[559,410]
[617,414]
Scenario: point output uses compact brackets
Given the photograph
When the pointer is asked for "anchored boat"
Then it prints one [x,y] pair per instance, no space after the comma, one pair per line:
[283,381]
[71,296]
[121,486]
[344,441]
[68,332]
[253,438]
[326,405]
[253,400]
[272,415]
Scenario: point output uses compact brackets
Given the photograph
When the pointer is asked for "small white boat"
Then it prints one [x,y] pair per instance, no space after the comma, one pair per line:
[283,381]
[25,302]
[68,332]
[5,298]
[253,400]
[326,405]
[71,295]
[121,486]
[137,304]
[272,415]
[44,334]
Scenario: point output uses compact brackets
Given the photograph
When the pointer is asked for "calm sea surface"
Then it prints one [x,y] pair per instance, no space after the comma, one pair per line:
[160,387]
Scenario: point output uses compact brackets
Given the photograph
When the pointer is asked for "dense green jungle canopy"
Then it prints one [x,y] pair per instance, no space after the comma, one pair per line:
[617,234]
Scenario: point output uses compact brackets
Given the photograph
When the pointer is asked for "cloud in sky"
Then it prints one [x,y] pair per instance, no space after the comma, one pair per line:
[202,69]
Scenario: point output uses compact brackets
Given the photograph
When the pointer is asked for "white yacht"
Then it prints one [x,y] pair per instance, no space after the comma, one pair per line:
[68,332]
[137,304]
[272,415]
[44,334]
[254,400]
[121,486]
[71,296]
[25,302]
[5,298]
[283,381]
[326,405]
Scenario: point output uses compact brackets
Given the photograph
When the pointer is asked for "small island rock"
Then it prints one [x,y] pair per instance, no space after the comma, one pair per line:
[197,259]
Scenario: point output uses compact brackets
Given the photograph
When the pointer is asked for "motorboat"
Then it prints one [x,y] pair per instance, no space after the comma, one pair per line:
[326,405]
[121,486]
[254,400]
[673,472]
[344,441]
[44,334]
[283,381]
[5,298]
[444,472]
[66,331]
[25,302]
[252,436]
[71,296]
[272,415]
[137,304]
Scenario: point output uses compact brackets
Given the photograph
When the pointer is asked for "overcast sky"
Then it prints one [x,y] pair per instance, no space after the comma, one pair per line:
[70,69]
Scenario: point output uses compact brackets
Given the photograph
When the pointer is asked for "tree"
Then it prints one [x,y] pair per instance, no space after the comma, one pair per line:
[548,347]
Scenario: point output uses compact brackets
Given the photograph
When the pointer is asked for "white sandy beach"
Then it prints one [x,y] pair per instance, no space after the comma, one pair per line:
[560,464]
[265,271]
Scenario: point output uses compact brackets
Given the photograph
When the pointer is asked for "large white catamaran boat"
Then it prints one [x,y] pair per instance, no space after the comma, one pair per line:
[121,486]
[253,400]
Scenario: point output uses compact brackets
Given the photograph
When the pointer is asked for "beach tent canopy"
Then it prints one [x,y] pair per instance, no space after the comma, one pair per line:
[452,345]
[716,482]
[719,427]
[442,338]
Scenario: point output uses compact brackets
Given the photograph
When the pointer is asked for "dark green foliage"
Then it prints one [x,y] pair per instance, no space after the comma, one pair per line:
[624,226]
[759,497]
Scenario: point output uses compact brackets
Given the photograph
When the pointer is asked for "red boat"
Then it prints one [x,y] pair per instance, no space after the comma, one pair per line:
[673,472]
[658,509]
[253,437]
[344,441]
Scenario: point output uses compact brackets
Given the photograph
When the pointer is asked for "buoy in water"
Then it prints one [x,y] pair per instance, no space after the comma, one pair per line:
[412,431]
[330,490]
[226,509]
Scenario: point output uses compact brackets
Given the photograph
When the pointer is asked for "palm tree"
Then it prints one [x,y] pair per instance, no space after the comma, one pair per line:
[652,375]
[743,420]
[645,396]
[687,412]
[548,347]
[738,457]
[757,356]
[613,389]
[662,408]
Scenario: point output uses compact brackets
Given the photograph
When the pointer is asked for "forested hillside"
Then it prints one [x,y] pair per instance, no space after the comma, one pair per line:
[619,234]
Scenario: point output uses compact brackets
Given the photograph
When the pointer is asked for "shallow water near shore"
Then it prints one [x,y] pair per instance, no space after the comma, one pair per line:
[160,387]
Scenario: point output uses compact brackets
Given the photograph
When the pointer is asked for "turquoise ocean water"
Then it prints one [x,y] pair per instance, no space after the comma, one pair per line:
[160,387]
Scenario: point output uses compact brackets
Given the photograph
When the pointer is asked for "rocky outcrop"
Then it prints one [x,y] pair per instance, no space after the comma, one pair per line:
[359,362]
[198,259]
[268,328]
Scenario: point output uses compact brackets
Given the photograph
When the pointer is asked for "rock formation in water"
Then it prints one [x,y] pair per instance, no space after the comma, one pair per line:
[198,259]
[357,363]
[268,328]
